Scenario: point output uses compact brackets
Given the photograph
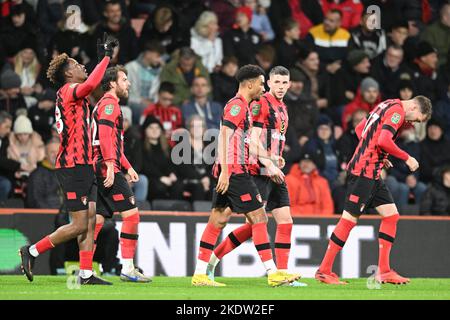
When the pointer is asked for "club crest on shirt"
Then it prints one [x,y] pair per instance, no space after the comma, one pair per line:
[395,118]
[109,109]
[256,108]
[235,110]
[283,126]
[84,200]
[132,200]
[259,198]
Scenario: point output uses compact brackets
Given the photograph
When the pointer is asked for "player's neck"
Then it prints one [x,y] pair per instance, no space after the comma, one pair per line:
[112,93]
[244,94]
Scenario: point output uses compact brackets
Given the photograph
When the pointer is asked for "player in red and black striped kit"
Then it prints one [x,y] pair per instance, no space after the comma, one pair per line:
[270,122]
[74,160]
[365,188]
[235,189]
[114,192]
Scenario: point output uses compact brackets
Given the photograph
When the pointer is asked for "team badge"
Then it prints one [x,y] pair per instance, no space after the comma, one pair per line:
[396,118]
[109,109]
[132,200]
[235,110]
[256,108]
[258,197]
[84,200]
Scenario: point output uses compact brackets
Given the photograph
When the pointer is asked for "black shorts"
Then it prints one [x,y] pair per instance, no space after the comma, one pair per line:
[118,198]
[242,195]
[78,186]
[364,193]
[274,195]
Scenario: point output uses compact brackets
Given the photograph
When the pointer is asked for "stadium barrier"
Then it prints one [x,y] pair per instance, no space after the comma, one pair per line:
[168,244]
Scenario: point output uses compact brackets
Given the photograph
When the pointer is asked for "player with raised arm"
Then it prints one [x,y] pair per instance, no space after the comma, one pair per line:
[114,192]
[365,188]
[235,190]
[74,160]
[270,122]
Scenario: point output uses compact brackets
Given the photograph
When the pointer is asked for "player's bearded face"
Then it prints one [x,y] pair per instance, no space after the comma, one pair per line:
[122,86]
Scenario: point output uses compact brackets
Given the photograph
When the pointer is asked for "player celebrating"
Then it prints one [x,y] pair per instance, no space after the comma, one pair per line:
[74,160]
[235,190]
[366,190]
[270,121]
[114,193]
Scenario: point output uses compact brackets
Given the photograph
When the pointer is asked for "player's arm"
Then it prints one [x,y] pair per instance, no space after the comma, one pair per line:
[84,89]
[107,117]
[134,177]
[225,134]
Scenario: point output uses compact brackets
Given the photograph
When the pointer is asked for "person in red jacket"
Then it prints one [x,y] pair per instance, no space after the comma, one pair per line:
[367,97]
[309,192]
[351,11]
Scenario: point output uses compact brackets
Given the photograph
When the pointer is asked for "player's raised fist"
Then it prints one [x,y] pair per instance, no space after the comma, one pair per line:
[105,46]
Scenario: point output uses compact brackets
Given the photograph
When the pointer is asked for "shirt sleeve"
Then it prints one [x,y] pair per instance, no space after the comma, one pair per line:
[259,112]
[233,114]
[394,119]
[108,114]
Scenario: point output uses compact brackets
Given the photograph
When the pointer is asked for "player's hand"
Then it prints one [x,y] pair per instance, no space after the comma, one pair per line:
[109,180]
[134,177]
[223,183]
[387,164]
[276,174]
[279,161]
[106,46]
[412,164]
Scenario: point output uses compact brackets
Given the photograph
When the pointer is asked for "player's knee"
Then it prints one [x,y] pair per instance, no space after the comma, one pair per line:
[79,228]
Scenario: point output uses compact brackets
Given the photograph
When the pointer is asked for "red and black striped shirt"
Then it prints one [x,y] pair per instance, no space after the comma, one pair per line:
[271,115]
[236,116]
[107,135]
[369,156]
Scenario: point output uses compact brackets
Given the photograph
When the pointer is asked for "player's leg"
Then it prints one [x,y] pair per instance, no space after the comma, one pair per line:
[99,222]
[386,207]
[86,244]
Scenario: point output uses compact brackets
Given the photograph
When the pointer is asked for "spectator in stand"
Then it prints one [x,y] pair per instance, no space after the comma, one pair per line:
[92,11]
[434,150]
[224,82]
[367,97]
[398,33]
[164,27]
[368,38]
[143,74]
[442,111]
[181,71]
[347,80]
[242,41]
[158,166]
[424,70]
[205,41]
[322,146]
[305,13]
[132,144]
[351,11]
[260,21]
[388,70]
[43,190]
[196,173]
[49,13]
[265,57]
[25,145]
[116,25]
[404,185]
[27,66]
[330,40]
[438,34]
[316,83]
[347,143]
[164,111]
[42,115]
[436,200]
[225,11]
[208,110]
[288,47]
[444,78]
[9,168]
[11,100]
[302,108]
[19,33]
[309,193]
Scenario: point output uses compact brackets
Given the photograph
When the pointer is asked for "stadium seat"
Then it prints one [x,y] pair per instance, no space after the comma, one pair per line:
[13,203]
[202,206]
[144,205]
[171,205]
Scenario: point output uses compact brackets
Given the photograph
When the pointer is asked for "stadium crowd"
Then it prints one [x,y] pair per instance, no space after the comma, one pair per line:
[182,56]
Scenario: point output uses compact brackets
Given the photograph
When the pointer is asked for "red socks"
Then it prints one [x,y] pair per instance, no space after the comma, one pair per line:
[337,241]
[44,244]
[86,260]
[386,236]
[207,242]
[98,228]
[129,236]
[234,240]
[261,241]
[283,245]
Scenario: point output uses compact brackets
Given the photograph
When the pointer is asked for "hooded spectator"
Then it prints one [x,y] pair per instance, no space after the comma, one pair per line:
[424,70]
[11,100]
[42,115]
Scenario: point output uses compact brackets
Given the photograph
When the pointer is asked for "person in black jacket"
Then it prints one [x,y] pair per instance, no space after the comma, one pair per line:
[157,163]
[434,150]
[42,115]
[11,100]
[43,190]
[436,200]
[224,82]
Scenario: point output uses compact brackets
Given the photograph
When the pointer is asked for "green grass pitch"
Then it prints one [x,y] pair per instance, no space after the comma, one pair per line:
[174,288]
